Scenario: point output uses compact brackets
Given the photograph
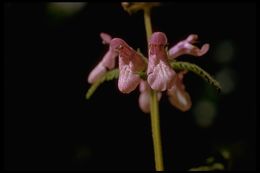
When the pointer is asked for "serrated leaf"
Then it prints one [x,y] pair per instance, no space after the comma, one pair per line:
[109,75]
[177,65]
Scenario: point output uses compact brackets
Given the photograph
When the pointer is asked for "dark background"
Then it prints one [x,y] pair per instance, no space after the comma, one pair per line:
[49,125]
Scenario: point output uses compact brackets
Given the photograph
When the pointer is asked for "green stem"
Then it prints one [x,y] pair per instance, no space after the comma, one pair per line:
[147,22]
[155,121]
[155,117]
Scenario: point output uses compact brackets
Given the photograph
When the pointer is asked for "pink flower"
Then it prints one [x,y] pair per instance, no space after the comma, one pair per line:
[162,77]
[160,74]
[178,96]
[186,47]
[107,62]
[130,64]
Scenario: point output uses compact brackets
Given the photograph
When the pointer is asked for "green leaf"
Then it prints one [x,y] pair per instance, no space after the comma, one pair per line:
[177,65]
[109,75]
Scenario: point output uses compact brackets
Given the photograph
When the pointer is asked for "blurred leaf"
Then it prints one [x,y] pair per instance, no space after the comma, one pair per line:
[110,75]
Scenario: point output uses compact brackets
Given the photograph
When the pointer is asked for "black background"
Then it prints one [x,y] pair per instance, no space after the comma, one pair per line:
[48,123]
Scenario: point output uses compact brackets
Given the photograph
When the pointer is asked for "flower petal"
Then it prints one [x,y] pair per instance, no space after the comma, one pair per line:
[178,96]
[106,38]
[96,73]
[130,63]
[128,80]
[144,97]
[186,47]
[107,62]
[144,102]
[160,74]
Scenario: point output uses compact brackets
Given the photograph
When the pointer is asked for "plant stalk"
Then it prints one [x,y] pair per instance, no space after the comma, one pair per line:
[154,106]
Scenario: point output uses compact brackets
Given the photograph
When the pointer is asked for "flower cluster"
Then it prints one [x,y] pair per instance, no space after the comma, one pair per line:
[160,75]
